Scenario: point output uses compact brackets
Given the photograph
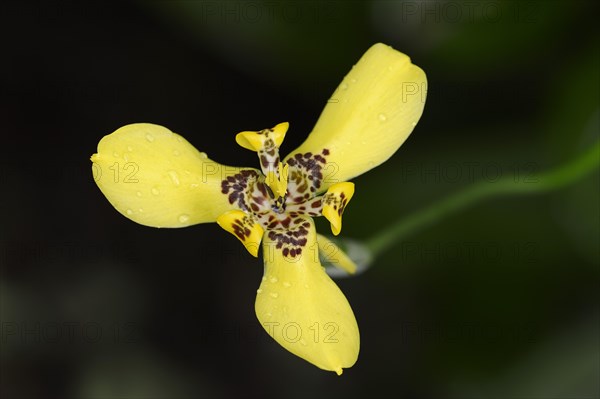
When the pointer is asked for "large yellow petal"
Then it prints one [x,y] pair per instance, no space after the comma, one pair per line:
[368,117]
[301,307]
[156,178]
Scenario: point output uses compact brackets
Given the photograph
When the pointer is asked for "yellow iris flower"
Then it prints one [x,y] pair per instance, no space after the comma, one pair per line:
[156,178]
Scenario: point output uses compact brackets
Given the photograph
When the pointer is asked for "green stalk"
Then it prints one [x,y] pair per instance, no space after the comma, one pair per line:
[566,174]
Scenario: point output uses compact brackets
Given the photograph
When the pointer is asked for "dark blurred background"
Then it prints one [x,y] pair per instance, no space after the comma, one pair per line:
[499,300]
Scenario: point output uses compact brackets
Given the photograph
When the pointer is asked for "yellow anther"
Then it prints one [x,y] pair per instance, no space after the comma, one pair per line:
[334,203]
[278,185]
[244,227]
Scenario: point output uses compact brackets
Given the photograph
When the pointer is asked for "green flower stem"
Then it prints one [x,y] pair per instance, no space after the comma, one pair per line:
[554,179]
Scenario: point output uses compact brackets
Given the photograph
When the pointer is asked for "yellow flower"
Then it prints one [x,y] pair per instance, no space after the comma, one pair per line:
[156,178]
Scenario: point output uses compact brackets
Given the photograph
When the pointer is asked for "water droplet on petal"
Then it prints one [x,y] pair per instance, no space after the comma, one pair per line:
[382,117]
[176,153]
[155,191]
[183,218]
[174,177]
[274,295]
[273,279]
[287,284]
[149,137]
[129,212]
[258,291]
[139,193]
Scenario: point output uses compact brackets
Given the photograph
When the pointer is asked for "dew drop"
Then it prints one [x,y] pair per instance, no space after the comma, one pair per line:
[183,218]
[174,177]
[155,191]
[382,117]
[259,291]
[149,137]
[129,212]
[139,193]
[176,153]
[287,284]
[273,279]
[274,295]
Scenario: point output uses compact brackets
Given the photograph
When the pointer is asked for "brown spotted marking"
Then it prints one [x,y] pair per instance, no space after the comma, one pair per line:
[306,174]
[292,240]
[238,186]
[337,201]
[283,218]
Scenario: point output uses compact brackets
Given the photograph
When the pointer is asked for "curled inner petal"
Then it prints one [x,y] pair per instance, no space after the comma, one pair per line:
[244,227]
[334,203]
[266,143]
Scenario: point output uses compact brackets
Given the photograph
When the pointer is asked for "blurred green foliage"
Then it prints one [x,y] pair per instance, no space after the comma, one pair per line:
[497,300]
